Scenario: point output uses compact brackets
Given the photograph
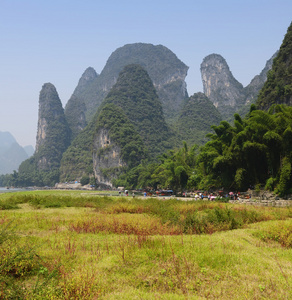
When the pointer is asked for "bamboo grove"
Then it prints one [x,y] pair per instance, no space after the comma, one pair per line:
[255,152]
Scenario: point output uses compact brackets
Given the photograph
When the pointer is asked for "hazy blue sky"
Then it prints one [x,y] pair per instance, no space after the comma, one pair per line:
[55,41]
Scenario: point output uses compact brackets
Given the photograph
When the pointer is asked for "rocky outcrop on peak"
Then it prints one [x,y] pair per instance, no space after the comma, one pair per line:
[166,71]
[226,93]
[53,138]
[75,109]
[107,157]
[52,130]
[87,77]
[219,84]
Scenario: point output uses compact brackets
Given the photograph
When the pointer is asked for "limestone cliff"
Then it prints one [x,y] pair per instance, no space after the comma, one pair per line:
[53,135]
[225,92]
[166,71]
[219,84]
[53,138]
[117,146]
[107,159]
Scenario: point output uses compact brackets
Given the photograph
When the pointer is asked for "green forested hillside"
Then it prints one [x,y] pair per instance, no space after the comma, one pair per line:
[195,119]
[77,159]
[160,63]
[53,139]
[252,151]
[255,151]
[135,98]
[278,87]
[135,94]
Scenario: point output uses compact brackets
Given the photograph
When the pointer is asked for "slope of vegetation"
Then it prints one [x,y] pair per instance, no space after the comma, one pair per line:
[159,62]
[195,119]
[135,94]
[132,100]
[255,151]
[278,87]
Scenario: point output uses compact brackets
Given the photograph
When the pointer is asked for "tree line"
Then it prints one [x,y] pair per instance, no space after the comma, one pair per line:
[254,151]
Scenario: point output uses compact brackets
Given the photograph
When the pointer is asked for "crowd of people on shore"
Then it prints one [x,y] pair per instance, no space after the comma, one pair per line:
[197,195]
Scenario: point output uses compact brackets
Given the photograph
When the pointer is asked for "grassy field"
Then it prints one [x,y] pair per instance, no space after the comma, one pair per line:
[79,245]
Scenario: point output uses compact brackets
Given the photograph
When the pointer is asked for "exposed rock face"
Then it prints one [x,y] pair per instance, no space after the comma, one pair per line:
[75,109]
[219,84]
[226,93]
[117,146]
[106,157]
[165,70]
[53,135]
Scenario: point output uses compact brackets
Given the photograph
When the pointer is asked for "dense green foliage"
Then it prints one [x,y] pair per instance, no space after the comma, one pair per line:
[134,108]
[278,87]
[122,133]
[173,171]
[195,119]
[77,159]
[158,61]
[256,150]
[135,94]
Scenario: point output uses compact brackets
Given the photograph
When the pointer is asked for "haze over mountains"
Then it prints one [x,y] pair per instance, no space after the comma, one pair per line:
[136,109]
[11,153]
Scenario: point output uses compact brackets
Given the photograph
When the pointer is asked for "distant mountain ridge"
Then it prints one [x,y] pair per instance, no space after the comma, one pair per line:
[145,85]
[11,153]
[166,71]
